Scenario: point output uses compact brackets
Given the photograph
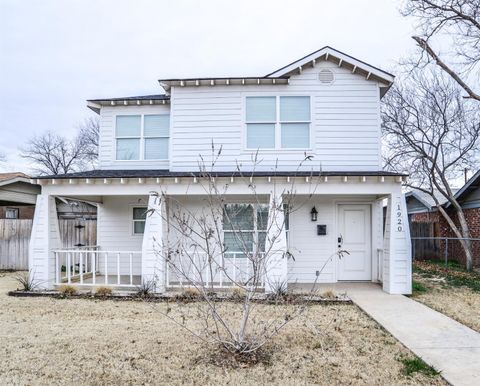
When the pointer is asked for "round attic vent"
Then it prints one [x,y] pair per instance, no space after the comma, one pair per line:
[326,76]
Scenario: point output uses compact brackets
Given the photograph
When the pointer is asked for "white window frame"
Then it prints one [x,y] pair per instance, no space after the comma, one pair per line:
[132,211]
[278,125]
[142,138]
[255,229]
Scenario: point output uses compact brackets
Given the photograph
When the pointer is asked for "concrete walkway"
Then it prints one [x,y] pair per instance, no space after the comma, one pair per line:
[443,343]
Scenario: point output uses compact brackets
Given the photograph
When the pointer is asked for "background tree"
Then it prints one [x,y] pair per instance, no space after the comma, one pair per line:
[54,154]
[89,132]
[451,26]
[432,133]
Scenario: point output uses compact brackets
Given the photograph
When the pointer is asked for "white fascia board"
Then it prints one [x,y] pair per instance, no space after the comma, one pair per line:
[388,78]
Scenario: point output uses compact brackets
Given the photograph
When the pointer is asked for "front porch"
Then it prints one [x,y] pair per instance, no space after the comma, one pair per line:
[133,248]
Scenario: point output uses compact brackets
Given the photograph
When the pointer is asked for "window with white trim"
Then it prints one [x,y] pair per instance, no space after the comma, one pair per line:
[139,219]
[244,228]
[11,213]
[278,122]
[142,137]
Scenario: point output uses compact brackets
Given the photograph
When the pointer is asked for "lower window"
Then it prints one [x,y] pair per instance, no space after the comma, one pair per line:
[244,228]
[139,218]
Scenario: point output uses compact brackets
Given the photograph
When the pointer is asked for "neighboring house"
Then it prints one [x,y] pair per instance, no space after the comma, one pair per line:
[426,220]
[17,196]
[325,105]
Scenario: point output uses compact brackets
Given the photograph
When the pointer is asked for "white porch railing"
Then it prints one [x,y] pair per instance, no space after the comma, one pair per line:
[92,266]
[224,272]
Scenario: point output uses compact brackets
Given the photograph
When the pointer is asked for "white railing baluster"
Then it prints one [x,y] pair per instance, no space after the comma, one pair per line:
[118,268]
[56,268]
[106,267]
[68,268]
[81,268]
[131,268]
[234,267]
[222,268]
[94,265]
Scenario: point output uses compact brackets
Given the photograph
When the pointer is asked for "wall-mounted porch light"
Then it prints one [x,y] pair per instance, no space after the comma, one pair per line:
[314,214]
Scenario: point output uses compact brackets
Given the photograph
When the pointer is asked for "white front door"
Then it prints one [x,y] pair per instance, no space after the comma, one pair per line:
[355,237]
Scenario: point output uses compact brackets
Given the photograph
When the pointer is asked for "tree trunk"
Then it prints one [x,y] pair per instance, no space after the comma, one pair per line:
[462,233]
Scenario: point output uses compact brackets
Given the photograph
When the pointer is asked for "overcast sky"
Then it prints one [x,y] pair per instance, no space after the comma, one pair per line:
[56,54]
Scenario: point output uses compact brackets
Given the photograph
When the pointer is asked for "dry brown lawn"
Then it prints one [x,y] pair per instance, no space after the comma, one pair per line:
[459,303]
[104,342]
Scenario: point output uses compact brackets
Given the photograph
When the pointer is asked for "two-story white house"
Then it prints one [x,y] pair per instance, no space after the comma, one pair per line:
[324,106]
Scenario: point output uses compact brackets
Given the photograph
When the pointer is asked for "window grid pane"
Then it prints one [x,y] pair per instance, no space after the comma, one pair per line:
[140,213]
[295,135]
[156,125]
[295,109]
[260,135]
[128,125]
[156,148]
[128,149]
[261,109]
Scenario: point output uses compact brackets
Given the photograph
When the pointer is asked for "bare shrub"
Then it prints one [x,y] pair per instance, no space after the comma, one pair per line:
[103,291]
[146,289]
[243,244]
[67,290]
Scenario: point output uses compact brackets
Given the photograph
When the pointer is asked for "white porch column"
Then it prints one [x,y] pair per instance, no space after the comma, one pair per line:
[45,238]
[276,244]
[397,252]
[153,263]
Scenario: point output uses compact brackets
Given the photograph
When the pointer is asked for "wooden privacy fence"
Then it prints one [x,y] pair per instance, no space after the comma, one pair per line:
[15,238]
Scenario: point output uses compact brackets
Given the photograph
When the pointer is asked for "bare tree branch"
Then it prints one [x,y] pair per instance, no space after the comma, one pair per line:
[431,132]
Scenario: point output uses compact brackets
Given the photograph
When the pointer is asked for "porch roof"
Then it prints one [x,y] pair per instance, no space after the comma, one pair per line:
[160,173]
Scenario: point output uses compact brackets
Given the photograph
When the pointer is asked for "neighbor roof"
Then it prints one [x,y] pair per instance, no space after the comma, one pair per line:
[426,199]
[472,184]
[9,176]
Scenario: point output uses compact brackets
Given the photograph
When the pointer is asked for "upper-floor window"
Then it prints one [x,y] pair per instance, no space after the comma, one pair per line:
[278,122]
[142,137]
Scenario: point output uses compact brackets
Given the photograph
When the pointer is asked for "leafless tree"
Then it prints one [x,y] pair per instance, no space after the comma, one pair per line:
[54,154]
[214,244]
[454,27]
[432,133]
[89,132]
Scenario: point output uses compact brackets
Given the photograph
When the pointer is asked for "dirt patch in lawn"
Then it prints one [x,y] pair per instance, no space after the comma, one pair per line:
[435,290]
[78,341]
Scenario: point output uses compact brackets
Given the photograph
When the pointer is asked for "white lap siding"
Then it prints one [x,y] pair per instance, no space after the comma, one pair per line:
[345,124]
[311,252]
[115,232]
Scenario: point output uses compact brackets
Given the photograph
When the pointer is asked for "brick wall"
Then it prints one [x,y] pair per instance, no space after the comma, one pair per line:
[455,250]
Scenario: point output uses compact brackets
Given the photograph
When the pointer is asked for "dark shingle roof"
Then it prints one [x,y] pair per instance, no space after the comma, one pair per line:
[159,173]
[133,98]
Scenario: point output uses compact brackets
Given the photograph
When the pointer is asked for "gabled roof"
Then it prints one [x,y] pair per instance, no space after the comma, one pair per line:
[157,99]
[10,178]
[426,199]
[472,184]
[282,75]
[329,53]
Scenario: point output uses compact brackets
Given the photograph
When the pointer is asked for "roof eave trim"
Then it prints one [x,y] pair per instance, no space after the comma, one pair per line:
[331,52]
